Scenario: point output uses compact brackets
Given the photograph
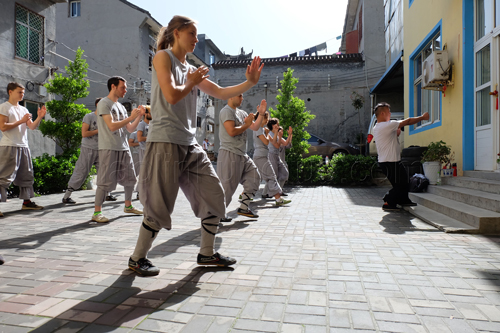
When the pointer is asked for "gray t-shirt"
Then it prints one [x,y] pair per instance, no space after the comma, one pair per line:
[272,148]
[108,140]
[235,144]
[173,123]
[91,142]
[144,127]
[261,149]
[133,136]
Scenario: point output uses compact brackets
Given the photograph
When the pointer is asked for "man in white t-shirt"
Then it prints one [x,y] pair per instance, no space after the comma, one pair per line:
[386,133]
[206,144]
[16,165]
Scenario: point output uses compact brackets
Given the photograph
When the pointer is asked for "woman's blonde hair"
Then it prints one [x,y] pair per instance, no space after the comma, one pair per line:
[166,38]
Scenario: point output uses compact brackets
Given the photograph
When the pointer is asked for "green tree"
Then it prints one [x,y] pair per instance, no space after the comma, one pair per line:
[291,111]
[67,128]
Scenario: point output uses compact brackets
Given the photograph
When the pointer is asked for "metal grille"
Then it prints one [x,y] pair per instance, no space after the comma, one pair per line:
[29,35]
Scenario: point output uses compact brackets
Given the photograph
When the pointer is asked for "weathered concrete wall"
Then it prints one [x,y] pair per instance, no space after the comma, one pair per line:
[22,71]
[336,119]
[115,40]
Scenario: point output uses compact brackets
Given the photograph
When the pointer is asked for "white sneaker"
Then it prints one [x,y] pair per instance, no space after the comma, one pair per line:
[132,210]
[100,218]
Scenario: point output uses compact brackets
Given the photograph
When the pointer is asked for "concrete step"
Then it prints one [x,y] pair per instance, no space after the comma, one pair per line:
[491,175]
[440,221]
[481,184]
[477,198]
[485,220]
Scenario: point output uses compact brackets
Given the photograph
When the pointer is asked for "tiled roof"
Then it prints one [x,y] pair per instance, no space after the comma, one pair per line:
[337,58]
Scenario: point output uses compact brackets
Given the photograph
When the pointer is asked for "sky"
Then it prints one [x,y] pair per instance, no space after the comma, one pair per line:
[271,28]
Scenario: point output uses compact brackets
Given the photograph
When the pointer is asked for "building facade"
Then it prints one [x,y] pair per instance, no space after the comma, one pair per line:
[118,37]
[466,114]
[27,38]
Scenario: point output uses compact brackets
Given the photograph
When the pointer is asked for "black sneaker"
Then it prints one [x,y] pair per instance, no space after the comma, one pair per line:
[408,203]
[111,198]
[69,200]
[143,266]
[390,208]
[2,260]
[247,213]
[283,194]
[266,196]
[226,219]
[215,260]
[31,206]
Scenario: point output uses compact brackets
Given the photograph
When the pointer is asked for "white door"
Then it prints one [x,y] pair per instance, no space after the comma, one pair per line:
[486,65]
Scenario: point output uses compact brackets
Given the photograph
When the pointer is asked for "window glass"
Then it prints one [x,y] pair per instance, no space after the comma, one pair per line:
[484,18]
[483,66]
[483,107]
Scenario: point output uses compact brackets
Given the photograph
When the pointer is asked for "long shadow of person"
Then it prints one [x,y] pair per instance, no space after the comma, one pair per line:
[34,241]
[190,238]
[402,222]
[122,303]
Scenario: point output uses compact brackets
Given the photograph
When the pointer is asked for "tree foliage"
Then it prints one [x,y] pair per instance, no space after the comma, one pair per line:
[67,125]
[291,111]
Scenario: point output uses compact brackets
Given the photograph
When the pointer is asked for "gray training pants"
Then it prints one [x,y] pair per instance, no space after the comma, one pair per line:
[16,166]
[115,167]
[234,169]
[267,173]
[87,158]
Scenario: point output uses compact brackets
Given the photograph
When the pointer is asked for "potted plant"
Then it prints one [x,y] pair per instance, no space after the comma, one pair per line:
[437,153]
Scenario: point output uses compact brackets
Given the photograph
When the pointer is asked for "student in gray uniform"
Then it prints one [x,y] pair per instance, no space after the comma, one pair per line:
[173,157]
[261,141]
[278,166]
[89,155]
[142,134]
[234,166]
[134,150]
[16,165]
[282,154]
[115,160]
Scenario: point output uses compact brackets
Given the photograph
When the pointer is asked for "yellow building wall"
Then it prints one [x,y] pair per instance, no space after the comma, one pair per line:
[419,20]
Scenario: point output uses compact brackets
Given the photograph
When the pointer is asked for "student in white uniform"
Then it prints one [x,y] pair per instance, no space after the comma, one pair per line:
[385,133]
[15,162]
[173,157]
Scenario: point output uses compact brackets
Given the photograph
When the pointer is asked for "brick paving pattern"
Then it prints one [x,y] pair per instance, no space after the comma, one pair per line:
[332,261]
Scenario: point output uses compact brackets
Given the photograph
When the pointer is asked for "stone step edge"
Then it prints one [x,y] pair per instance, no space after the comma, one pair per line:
[433,218]
[464,190]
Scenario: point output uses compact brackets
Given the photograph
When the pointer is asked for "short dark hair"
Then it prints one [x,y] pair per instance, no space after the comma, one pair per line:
[115,80]
[380,106]
[13,86]
[97,100]
[271,123]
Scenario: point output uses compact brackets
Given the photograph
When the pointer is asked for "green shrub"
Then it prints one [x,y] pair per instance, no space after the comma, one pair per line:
[348,169]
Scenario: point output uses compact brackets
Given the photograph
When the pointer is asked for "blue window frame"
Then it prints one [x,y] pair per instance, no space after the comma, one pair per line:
[411,2]
[422,100]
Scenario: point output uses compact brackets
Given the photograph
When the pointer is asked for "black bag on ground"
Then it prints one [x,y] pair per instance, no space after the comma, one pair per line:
[418,183]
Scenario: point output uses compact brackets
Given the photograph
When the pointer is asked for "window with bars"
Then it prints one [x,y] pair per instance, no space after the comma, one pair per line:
[32,108]
[75,8]
[29,35]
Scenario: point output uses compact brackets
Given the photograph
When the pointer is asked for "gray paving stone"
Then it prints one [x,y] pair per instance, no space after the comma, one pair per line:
[256,325]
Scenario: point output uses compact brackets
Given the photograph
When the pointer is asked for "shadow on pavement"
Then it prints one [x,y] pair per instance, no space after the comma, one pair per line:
[401,222]
[191,238]
[110,301]
[43,237]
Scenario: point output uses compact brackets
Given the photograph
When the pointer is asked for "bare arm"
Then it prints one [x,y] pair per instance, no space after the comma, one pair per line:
[252,75]
[114,126]
[264,138]
[40,114]
[85,131]
[131,143]
[141,138]
[131,127]
[234,130]
[274,140]
[5,126]
[172,92]
[413,120]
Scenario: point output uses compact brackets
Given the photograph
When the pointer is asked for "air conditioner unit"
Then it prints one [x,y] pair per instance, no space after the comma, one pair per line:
[209,102]
[435,70]
[42,91]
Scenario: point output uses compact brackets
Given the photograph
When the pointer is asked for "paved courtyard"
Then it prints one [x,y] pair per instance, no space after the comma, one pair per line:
[332,261]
